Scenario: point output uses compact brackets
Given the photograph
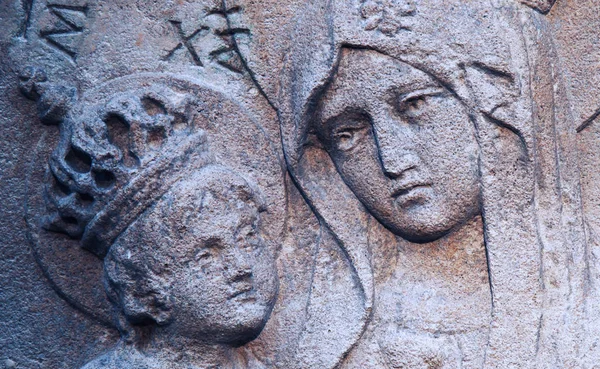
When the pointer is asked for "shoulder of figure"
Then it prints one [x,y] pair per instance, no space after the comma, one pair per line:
[119,358]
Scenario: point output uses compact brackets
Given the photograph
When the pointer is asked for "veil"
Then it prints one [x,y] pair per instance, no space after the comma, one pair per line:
[534,277]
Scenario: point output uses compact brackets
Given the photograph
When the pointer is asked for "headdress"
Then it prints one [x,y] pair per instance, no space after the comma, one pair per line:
[120,147]
[117,156]
[488,73]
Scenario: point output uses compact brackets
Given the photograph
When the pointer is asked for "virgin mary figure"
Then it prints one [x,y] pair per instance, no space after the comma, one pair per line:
[409,129]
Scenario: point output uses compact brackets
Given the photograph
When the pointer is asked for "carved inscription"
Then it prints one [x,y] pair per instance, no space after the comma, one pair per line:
[224,54]
[185,42]
[27,6]
[66,33]
[588,122]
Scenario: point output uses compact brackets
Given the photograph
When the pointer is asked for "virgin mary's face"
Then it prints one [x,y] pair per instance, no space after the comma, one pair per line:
[403,143]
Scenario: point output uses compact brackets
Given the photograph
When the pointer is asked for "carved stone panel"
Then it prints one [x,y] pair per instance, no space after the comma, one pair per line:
[299,184]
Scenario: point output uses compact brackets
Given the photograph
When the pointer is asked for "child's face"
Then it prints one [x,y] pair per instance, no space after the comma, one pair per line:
[225,285]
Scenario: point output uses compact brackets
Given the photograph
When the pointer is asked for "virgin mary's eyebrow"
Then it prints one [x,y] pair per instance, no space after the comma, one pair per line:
[428,91]
[415,87]
[329,112]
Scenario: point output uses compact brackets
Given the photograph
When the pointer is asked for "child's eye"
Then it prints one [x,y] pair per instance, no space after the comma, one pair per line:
[203,255]
[254,245]
[246,231]
[253,241]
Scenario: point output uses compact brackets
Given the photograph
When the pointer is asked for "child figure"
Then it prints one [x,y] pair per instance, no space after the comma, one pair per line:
[190,278]
[133,181]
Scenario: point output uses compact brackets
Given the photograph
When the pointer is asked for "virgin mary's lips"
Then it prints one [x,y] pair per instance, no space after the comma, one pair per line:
[410,192]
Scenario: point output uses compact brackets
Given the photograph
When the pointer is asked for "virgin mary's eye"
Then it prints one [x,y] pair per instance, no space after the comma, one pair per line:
[345,135]
[415,103]
[348,138]
[347,132]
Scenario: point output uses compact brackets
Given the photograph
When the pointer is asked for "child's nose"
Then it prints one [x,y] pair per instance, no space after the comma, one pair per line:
[238,266]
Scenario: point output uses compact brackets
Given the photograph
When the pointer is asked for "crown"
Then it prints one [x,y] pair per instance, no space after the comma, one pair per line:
[117,152]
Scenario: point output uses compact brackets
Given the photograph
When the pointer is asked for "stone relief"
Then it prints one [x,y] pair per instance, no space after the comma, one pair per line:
[408,152]
[386,16]
[136,181]
[191,290]
[322,184]
[407,125]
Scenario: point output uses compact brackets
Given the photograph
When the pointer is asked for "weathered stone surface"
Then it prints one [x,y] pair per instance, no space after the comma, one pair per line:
[299,184]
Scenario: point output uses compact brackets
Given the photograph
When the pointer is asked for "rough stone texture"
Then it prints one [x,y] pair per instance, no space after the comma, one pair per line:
[300,184]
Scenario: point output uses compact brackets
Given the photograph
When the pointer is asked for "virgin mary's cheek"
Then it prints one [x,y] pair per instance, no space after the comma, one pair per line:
[451,149]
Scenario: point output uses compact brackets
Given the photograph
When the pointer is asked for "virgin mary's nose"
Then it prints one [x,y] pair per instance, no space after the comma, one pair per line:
[395,148]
